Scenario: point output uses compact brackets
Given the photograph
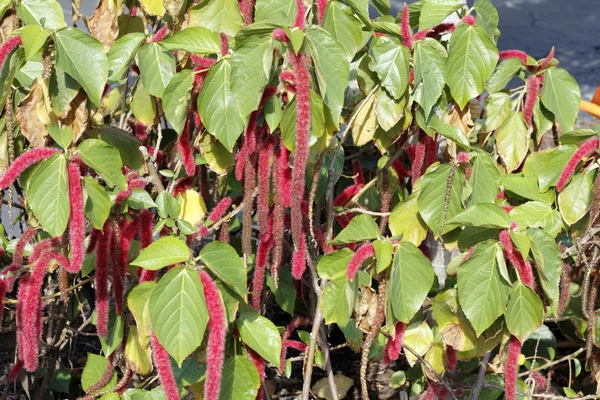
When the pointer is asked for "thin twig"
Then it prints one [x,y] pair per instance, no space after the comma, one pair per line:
[57,294]
[481,376]
[363,211]
[545,396]
[430,368]
[555,362]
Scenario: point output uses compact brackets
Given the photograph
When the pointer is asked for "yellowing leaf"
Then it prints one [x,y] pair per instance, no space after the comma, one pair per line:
[154,7]
[137,355]
[33,117]
[342,385]
[193,208]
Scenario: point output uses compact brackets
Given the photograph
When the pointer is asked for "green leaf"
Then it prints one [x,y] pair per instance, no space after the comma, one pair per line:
[390,60]
[576,198]
[61,380]
[449,131]
[97,205]
[154,7]
[218,16]
[411,278]
[82,57]
[176,100]
[218,107]
[94,369]
[547,165]
[33,37]
[143,105]
[343,26]
[194,40]
[365,122]
[337,301]
[577,136]
[481,290]
[471,61]
[260,334]
[250,71]
[121,54]
[276,12]
[285,294]
[548,263]
[387,110]
[41,12]
[432,197]
[63,136]
[360,228]
[105,160]
[435,11]
[406,221]
[524,311]
[383,253]
[486,215]
[157,67]
[487,16]
[137,302]
[537,214]
[485,179]
[273,112]
[129,147]
[222,260]
[167,250]
[331,66]
[288,120]
[48,194]
[512,140]
[526,187]
[430,72]
[561,95]
[63,90]
[178,312]
[498,107]
[140,199]
[240,379]
[114,336]
[335,264]
[138,356]
[505,72]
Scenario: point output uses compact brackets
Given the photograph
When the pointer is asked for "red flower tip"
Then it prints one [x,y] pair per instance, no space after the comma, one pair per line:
[262,254]
[514,256]
[587,148]
[202,62]
[160,34]
[220,209]
[512,367]
[299,259]
[23,162]
[300,11]
[521,55]
[8,46]
[400,170]
[185,149]
[451,358]
[540,381]
[346,195]
[462,157]
[405,30]
[287,77]
[14,372]
[25,238]
[469,19]
[359,177]
[246,8]
[163,367]
[296,322]
[133,11]
[533,88]
[394,344]
[77,219]
[321,4]
[364,252]
[547,60]
[296,345]
[224,44]
[279,34]
[419,160]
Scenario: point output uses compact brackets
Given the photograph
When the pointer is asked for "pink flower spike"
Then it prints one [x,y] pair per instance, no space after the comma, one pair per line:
[102,279]
[23,162]
[462,157]
[405,30]
[469,19]
[133,11]
[14,372]
[280,35]
[506,54]
[202,62]
[419,161]
[451,358]
[511,367]
[346,195]
[219,210]
[25,238]
[300,11]
[262,253]
[321,4]
[246,8]
[163,367]
[185,149]
[299,259]
[296,322]
[587,148]
[282,159]
[365,251]
[160,34]
[77,219]
[540,381]
[359,177]
[296,345]
[224,44]
[514,256]
[533,88]
[547,60]
[264,182]
[394,344]
[217,326]
[8,46]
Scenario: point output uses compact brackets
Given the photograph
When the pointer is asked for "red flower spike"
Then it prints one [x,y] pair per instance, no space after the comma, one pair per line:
[287,77]
[215,349]
[25,238]
[258,281]
[359,177]
[400,170]
[296,322]
[284,184]
[8,46]
[280,35]
[224,232]
[469,19]
[104,241]
[430,151]
[133,11]
[514,256]
[133,182]
[540,381]
[419,160]
[462,157]
[296,345]
[565,282]
[405,30]
[163,367]
[224,43]
[93,240]
[202,62]
[299,259]
[321,4]
[240,162]
[451,358]
[259,364]
[429,393]
[321,240]
[365,251]
[300,11]
[14,372]
[77,219]
[250,136]
[182,185]
[246,8]
[511,368]
[506,54]
[587,148]
[219,210]
[160,34]
[185,149]
[547,60]
[3,290]
[264,183]
[346,195]
[23,162]
[394,344]
[533,88]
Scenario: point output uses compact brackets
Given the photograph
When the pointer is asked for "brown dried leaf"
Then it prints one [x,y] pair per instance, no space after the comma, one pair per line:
[367,309]
[464,119]
[103,24]
[33,117]
[77,117]
[7,24]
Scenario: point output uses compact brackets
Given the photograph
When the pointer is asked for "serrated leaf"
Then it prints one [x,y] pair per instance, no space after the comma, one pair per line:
[498,107]
[430,72]
[176,100]
[388,110]
[143,105]
[223,261]
[343,26]
[83,58]
[273,112]
[178,312]
[561,95]
[240,379]
[137,355]
[435,11]
[337,301]
[411,278]
[360,228]
[97,205]
[486,215]
[547,165]
[526,187]
[114,336]
[548,263]
[537,214]
[105,160]
[390,60]
[167,250]
[217,15]
[575,199]
[121,54]
[285,293]
[485,179]
[335,264]
[276,12]
[512,140]
[94,369]
[193,39]
[260,334]
[505,72]
[33,37]
[41,12]
[128,146]
[157,67]
[405,220]
[524,311]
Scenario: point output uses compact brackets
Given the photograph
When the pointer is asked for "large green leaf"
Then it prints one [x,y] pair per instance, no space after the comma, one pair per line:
[218,107]
[128,146]
[411,278]
[331,66]
[285,292]
[277,12]
[498,107]
[435,11]
[217,15]
[82,57]
[178,312]
[526,187]
[62,89]
[335,264]
[195,40]
[430,72]
[157,66]
[561,95]
[576,198]
[41,12]
[548,263]
[94,369]
[240,380]
[121,54]
[97,205]
[471,61]
[222,260]
[250,71]
[260,334]
[48,194]
[143,104]
[33,37]
[406,221]
[387,109]
[486,215]
[487,16]
[176,100]
[337,301]
[505,72]
[485,179]
[512,140]
[524,311]
[537,214]
[547,165]
[360,228]
[114,335]
[167,250]
[481,290]
[105,160]
[391,62]
[343,26]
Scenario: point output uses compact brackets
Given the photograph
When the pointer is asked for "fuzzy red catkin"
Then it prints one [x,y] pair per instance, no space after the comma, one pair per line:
[365,251]
[547,60]
[249,185]
[217,326]
[587,148]
[104,241]
[450,358]
[240,162]
[521,55]
[262,254]
[202,62]
[182,185]
[405,30]
[346,195]
[511,368]
[246,8]
[224,232]
[224,44]
[14,372]
[321,4]
[299,259]
[115,263]
[93,240]
[430,151]
[25,238]
[185,149]
[163,367]
[259,364]
[300,11]
[146,227]
[77,220]
[280,35]
[23,162]
[540,382]
[516,259]
[264,183]
[160,34]
[296,322]
[533,88]
[419,160]
[219,210]
[3,290]
[394,344]
[469,19]
[8,46]
[565,283]
[322,240]
[359,176]
[400,170]
[462,157]
[296,345]
[284,183]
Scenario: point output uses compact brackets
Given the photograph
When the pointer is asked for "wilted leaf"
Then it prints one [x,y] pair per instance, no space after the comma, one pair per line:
[33,117]
[103,24]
